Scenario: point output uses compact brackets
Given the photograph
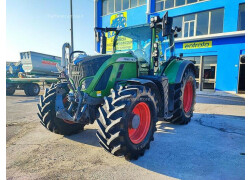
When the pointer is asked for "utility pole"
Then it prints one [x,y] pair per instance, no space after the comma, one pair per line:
[71,29]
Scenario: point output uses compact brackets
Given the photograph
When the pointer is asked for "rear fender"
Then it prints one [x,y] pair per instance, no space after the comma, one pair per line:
[144,82]
[175,70]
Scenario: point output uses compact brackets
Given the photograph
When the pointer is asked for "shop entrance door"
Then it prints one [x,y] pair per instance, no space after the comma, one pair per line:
[205,75]
[209,66]
[241,84]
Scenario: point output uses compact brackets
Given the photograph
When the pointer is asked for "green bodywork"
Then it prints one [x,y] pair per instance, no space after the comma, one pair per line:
[130,70]
[172,70]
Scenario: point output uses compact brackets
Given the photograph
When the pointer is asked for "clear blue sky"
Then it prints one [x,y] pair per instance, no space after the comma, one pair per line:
[44,25]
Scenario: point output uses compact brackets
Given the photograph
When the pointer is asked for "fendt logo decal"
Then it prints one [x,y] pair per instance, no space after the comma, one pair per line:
[197,45]
[75,73]
[126,59]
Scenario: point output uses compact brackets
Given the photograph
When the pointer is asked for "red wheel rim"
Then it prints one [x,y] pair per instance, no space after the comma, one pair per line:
[138,135]
[64,102]
[188,96]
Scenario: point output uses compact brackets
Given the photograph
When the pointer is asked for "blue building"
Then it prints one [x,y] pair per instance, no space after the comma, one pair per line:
[213,34]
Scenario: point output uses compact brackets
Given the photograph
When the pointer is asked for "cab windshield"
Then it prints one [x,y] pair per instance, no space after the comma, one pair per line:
[135,39]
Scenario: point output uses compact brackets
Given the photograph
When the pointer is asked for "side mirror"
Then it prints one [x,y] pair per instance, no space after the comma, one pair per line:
[167,23]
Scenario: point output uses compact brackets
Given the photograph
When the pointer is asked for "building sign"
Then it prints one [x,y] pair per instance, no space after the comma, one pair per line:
[124,43]
[197,45]
[118,21]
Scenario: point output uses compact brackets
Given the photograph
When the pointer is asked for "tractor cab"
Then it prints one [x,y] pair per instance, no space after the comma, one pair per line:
[151,44]
[136,41]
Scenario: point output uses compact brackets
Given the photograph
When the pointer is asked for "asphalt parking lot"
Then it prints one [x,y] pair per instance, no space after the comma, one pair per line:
[211,146]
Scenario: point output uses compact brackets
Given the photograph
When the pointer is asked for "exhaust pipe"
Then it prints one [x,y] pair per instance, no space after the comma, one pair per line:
[64,68]
[64,61]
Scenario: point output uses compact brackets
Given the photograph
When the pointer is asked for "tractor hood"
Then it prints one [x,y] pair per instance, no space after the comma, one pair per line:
[86,67]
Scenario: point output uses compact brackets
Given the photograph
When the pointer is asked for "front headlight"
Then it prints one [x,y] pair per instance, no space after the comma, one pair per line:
[86,83]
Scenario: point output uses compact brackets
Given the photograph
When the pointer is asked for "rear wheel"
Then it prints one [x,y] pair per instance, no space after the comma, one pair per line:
[47,114]
[127,121]
[10,91]
[184,99]
[32,89]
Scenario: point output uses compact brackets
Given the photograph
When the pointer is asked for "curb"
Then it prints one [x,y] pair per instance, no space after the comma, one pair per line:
[220,93]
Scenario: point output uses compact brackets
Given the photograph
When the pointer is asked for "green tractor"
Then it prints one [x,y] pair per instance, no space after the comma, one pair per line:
[126,92]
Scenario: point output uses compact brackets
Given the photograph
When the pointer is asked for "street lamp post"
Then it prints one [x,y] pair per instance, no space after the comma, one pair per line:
[71,18]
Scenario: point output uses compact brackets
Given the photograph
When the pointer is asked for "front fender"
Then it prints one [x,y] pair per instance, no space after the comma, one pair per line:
[175,70]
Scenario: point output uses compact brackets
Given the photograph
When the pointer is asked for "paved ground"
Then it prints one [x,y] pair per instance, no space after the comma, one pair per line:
[212,146]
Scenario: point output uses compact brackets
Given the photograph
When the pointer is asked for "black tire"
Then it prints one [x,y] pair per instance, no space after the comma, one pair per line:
[113,125]
[10,91]
[32,89]
[47,114]
[26,89]
[180,116]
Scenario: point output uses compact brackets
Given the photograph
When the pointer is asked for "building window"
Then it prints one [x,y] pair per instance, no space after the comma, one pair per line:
[133,3]
[104,7]
[241,18]
[142,2]
[118,5]
[179,2]
[111,6]
[217,19]
[159,5]
[189,22]
[178,22]
[202,23]
[191,1]
[125,4]
[167,4]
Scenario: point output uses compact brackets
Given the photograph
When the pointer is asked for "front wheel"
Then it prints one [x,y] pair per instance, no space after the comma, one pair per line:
[47,113]
[127,121]
[184,99]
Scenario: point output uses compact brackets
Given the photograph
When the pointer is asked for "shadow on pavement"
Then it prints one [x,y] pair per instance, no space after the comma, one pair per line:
[86,137]
[29,101]
[201,149]
[18,95]
[209,147]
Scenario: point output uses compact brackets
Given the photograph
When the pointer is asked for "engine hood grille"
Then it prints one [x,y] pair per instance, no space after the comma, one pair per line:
[86,67]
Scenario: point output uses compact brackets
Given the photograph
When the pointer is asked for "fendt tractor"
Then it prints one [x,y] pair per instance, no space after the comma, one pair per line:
[126,92]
